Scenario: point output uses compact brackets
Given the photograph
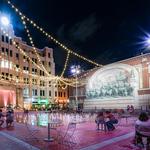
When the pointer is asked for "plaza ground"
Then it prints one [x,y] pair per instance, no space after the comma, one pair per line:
[86,136]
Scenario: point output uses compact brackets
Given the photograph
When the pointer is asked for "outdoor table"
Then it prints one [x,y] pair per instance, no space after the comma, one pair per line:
[51,122]
[126,116]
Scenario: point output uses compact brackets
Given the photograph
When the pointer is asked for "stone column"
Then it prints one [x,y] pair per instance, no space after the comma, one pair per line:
[19,97]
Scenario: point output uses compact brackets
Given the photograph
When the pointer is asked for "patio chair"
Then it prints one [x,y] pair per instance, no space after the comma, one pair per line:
[32,132]
[144,133]
[67,138]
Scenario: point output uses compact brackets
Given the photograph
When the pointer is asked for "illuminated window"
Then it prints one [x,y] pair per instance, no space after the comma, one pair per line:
[148,68]
[6,64]
[26,91]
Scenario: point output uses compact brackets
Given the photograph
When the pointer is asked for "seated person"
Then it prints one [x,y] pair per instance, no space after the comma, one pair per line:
[142,128]
[131,109]
[110,120]
[99,119]
[1,115]
[9,118]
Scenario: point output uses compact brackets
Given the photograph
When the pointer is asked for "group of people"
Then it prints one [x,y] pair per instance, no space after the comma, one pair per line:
[106,118]
[9,117]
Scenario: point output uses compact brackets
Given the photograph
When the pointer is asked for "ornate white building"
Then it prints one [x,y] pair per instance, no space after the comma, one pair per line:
[116,85]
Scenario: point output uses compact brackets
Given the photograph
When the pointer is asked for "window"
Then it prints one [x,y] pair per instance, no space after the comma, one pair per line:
[41,92]
[7,39]
[49,83]
[49,55]
[34,92]
[17,55]
[55,94]
[33,70]
[11,76]
[26,91]
[2,75]
[6,76]
[11,54]
[3,49]
[10,41]
[64,94]
[6,51]
[17,66]
[43,62]
[17,44]
[49,64]
[3,38]
[49,93]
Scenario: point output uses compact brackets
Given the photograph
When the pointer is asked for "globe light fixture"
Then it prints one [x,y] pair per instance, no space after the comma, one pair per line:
[4,21]
[148,41]
[75,70]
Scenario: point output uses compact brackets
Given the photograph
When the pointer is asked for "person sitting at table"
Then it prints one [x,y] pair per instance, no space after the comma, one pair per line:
[1,115]
[142,129]
[99,119]
[110,120]
[131,109]
[9,118]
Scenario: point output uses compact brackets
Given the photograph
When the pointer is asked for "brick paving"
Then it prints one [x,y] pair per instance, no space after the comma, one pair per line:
[85,136]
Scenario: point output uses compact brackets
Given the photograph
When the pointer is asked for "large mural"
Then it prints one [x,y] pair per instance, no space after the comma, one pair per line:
[113,81]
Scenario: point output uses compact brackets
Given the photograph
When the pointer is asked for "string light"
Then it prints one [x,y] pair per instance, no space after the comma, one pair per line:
[65,65]
[51,37]
[64,80]
[31,42]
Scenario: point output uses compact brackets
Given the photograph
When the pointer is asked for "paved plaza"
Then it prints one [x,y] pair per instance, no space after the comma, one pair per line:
[85,137]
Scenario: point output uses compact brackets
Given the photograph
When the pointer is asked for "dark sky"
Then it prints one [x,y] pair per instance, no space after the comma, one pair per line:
[102,30]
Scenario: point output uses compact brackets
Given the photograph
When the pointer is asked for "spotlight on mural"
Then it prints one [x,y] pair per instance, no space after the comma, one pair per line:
[112,83]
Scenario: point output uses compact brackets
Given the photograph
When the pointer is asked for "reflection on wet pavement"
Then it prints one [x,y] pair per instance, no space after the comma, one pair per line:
[42,119]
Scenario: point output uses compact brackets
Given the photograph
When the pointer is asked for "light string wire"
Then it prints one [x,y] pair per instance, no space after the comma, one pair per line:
[32,43]
[24,54]
[69,51]
[50,36]
[65,65]
[50,77]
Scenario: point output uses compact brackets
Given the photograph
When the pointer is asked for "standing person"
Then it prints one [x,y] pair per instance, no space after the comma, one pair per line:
[142,128]
[1,115]
[110,120]
[9,118]
[128,108]
[99,119]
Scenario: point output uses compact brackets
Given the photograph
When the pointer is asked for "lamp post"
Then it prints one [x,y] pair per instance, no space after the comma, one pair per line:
[75,70]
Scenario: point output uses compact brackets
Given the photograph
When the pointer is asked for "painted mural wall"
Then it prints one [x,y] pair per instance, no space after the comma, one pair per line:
[113,81]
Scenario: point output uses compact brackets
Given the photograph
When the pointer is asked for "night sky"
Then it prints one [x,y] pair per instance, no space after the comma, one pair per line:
[102,30]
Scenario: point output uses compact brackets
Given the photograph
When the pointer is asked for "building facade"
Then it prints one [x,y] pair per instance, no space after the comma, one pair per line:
[116,85]
[23,82]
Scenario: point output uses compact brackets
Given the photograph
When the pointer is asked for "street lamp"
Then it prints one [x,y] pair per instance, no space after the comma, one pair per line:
[75,70]
[5,21]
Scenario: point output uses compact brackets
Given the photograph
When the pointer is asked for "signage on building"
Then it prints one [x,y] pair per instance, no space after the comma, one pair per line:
[43,101]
